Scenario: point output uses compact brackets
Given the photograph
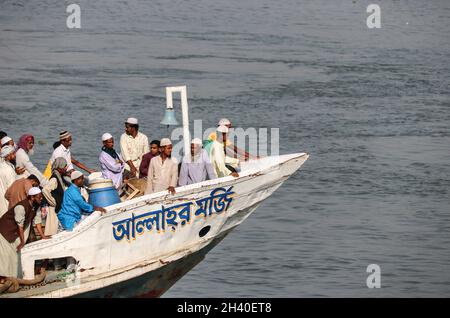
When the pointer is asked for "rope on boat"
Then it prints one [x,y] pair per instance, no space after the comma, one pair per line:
[6,284]
[10,285]
[13,285]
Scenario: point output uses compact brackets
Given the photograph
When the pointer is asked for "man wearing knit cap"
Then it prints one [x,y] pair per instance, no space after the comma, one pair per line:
[133,146]
[15,227]
[111,162]
[74,205]
[163,170]
[198,168]
[7,174]
[223,164]
[65,142]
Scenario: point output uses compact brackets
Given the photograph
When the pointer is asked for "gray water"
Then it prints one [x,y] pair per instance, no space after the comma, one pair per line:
[371,106]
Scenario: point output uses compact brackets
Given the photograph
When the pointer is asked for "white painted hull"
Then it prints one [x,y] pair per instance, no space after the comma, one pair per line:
[147,264]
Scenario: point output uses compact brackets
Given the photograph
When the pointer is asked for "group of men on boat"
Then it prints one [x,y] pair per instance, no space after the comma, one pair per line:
[38,205]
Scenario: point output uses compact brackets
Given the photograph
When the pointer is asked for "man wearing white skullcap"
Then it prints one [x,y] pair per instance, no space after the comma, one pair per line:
[6,151]
[225,122]
[223,164]
[228,144]
[106,136]
[112,164]
[213,136]
[133,146]
[2,134]
[165,142]
[74,205]
[7,174]
[34,191]
[75,175]
[163,170]
[7,141]
[132,121]
[222,129]
[63,150]
[198,167]
[15,227]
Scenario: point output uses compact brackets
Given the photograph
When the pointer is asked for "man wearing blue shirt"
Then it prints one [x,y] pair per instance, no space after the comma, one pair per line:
[73,203]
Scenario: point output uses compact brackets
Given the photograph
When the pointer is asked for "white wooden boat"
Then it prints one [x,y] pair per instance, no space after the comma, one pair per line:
[141,247]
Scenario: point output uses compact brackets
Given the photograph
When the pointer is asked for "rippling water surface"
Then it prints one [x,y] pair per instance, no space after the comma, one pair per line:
[370,106]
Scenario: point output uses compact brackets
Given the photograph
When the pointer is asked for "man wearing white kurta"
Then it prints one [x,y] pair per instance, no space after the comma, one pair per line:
[63,151]
[163,170]
[111,162]
[25,149]
[219,160]
[7,175]
[133,146]
[23,160]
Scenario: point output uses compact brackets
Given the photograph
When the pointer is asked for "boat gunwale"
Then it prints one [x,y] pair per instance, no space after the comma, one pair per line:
[149,199]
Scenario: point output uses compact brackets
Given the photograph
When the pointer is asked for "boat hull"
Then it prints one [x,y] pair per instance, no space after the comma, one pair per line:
[143,246]
[155,283]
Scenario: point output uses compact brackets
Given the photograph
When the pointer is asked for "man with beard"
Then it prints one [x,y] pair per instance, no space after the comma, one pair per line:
[163,170]
[198,167]
[111,162]
[15,226]
[7,174]
[25,149]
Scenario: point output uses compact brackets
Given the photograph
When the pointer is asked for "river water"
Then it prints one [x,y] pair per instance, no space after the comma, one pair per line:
[371,107]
